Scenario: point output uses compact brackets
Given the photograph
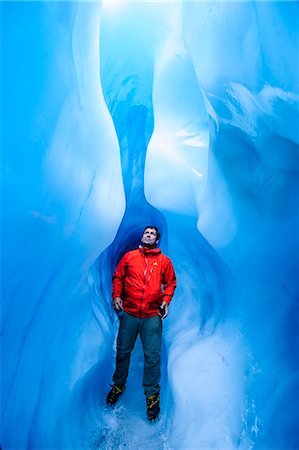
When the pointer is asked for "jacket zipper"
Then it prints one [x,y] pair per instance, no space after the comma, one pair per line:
[144,274]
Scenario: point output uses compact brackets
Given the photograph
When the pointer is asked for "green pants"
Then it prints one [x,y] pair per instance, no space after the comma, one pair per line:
[150,331]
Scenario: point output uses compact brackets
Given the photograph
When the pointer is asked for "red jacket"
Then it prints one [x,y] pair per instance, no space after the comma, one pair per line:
[138,280]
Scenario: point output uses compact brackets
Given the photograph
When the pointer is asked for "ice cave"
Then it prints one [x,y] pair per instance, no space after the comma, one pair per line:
[121,114]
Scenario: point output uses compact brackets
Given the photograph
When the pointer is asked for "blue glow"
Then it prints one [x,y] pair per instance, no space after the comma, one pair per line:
[120,115]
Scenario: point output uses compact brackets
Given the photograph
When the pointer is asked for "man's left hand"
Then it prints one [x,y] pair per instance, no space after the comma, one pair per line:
[164,306]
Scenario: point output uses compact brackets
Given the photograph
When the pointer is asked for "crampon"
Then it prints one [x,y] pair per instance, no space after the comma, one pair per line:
[153,407]
[114,394]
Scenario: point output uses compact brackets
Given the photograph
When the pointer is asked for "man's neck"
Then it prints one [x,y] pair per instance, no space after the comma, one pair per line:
[149,246]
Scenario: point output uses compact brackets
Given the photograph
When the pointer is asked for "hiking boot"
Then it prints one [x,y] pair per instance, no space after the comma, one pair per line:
[153,406]
[114,393]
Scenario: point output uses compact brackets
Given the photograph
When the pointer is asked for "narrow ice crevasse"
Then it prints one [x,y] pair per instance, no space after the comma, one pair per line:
[122,114]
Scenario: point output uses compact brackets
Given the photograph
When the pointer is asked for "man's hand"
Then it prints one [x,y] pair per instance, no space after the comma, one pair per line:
[117,304]
[163,307]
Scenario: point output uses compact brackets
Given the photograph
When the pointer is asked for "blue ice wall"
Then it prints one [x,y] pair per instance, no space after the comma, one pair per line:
[117,115]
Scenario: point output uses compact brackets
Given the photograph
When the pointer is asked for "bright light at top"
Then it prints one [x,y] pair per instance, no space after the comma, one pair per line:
[113,6]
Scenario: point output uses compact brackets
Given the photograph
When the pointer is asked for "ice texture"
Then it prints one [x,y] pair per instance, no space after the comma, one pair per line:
[117,115]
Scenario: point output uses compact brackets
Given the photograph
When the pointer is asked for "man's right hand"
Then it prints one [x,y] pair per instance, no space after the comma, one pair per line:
[117,303]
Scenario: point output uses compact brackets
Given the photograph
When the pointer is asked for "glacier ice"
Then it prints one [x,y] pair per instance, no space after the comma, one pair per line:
[121,114]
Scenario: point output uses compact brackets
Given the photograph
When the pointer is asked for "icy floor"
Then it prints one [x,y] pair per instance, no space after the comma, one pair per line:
[204,386]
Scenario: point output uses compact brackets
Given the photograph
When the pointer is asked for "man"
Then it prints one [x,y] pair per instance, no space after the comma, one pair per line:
[141,305]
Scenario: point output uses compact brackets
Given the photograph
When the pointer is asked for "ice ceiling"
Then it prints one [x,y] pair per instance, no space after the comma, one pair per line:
[120,115]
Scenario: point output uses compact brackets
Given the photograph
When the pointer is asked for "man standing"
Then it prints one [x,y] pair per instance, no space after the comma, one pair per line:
[141,305]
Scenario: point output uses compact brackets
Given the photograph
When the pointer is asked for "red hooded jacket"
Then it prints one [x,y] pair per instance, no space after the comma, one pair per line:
[138,280]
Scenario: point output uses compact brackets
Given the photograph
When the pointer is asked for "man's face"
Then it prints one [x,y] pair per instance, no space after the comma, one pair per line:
[149,236]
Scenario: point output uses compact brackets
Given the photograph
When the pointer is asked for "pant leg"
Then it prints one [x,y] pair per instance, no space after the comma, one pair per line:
[127,334]
[151,337]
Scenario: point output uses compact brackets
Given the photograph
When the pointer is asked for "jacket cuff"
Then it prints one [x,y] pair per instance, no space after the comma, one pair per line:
[166,299]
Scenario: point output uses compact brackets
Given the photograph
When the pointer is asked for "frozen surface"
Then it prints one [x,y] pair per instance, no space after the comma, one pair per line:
[120,115]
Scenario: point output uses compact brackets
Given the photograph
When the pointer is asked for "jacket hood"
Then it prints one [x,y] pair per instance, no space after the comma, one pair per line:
[149,251]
